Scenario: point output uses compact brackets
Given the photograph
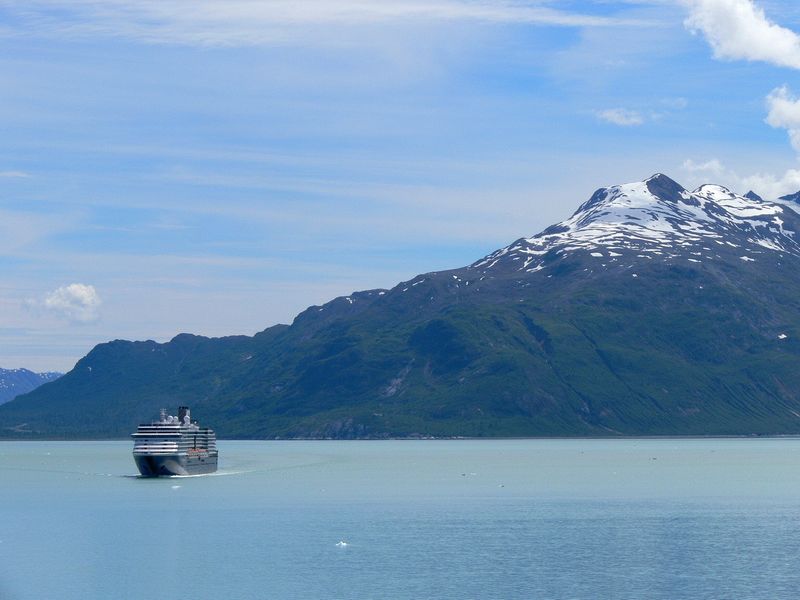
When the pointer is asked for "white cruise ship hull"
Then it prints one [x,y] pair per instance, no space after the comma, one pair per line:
[171,465]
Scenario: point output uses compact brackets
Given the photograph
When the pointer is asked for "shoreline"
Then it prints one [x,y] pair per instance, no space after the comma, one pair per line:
[789,436]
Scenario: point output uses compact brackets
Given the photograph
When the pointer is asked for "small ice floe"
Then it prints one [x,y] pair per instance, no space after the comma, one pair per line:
[342,544]
[782,336]
[176,487]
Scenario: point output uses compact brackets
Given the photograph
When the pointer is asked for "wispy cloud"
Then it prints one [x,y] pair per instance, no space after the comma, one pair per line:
[712,167]
[245,22]
[675,103]
[620,116]
[740,30]
[21,229]
[18,174]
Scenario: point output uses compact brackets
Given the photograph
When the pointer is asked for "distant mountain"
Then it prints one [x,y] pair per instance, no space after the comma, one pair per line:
[14,382]
[652,310]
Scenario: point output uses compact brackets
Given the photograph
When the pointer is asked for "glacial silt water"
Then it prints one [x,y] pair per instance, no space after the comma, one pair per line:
[636,518]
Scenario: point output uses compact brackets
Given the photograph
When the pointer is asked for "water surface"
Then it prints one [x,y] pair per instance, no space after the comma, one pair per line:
[642,518]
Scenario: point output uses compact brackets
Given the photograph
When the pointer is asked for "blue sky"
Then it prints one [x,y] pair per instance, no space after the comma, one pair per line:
[217,167]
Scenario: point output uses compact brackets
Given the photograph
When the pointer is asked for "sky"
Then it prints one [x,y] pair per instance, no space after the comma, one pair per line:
[212,167]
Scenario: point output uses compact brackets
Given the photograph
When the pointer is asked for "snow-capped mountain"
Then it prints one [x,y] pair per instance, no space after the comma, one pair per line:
[657,219]
[14,382]
[653,310]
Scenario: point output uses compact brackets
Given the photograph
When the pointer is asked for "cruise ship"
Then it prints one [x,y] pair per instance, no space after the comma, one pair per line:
[174,446]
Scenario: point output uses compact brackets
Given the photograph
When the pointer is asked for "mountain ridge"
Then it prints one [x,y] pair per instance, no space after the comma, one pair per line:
[14,382]
[652,310]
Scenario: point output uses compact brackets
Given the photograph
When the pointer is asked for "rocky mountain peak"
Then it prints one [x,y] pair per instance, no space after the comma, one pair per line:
[658,219]
[751,195]
[795,198]
[664,188]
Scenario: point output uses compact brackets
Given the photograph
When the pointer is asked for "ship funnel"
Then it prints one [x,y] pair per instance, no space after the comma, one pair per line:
[184,416]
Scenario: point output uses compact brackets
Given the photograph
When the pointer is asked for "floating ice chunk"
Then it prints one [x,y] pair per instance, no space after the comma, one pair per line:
[597,254]
[782,336]
[747,259]
[342,544]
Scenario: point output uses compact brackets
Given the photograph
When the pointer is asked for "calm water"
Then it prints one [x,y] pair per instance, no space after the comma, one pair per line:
[423,519]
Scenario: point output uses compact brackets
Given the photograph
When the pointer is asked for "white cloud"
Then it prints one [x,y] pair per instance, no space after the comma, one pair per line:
[738,29]
[772,187]
[245,22]
[766,185]
[22,231]
[620,116]
[20,174]
[784,113]
[75,302]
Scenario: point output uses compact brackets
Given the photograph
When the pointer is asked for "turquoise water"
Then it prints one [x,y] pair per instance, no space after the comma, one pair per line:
[710,518]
